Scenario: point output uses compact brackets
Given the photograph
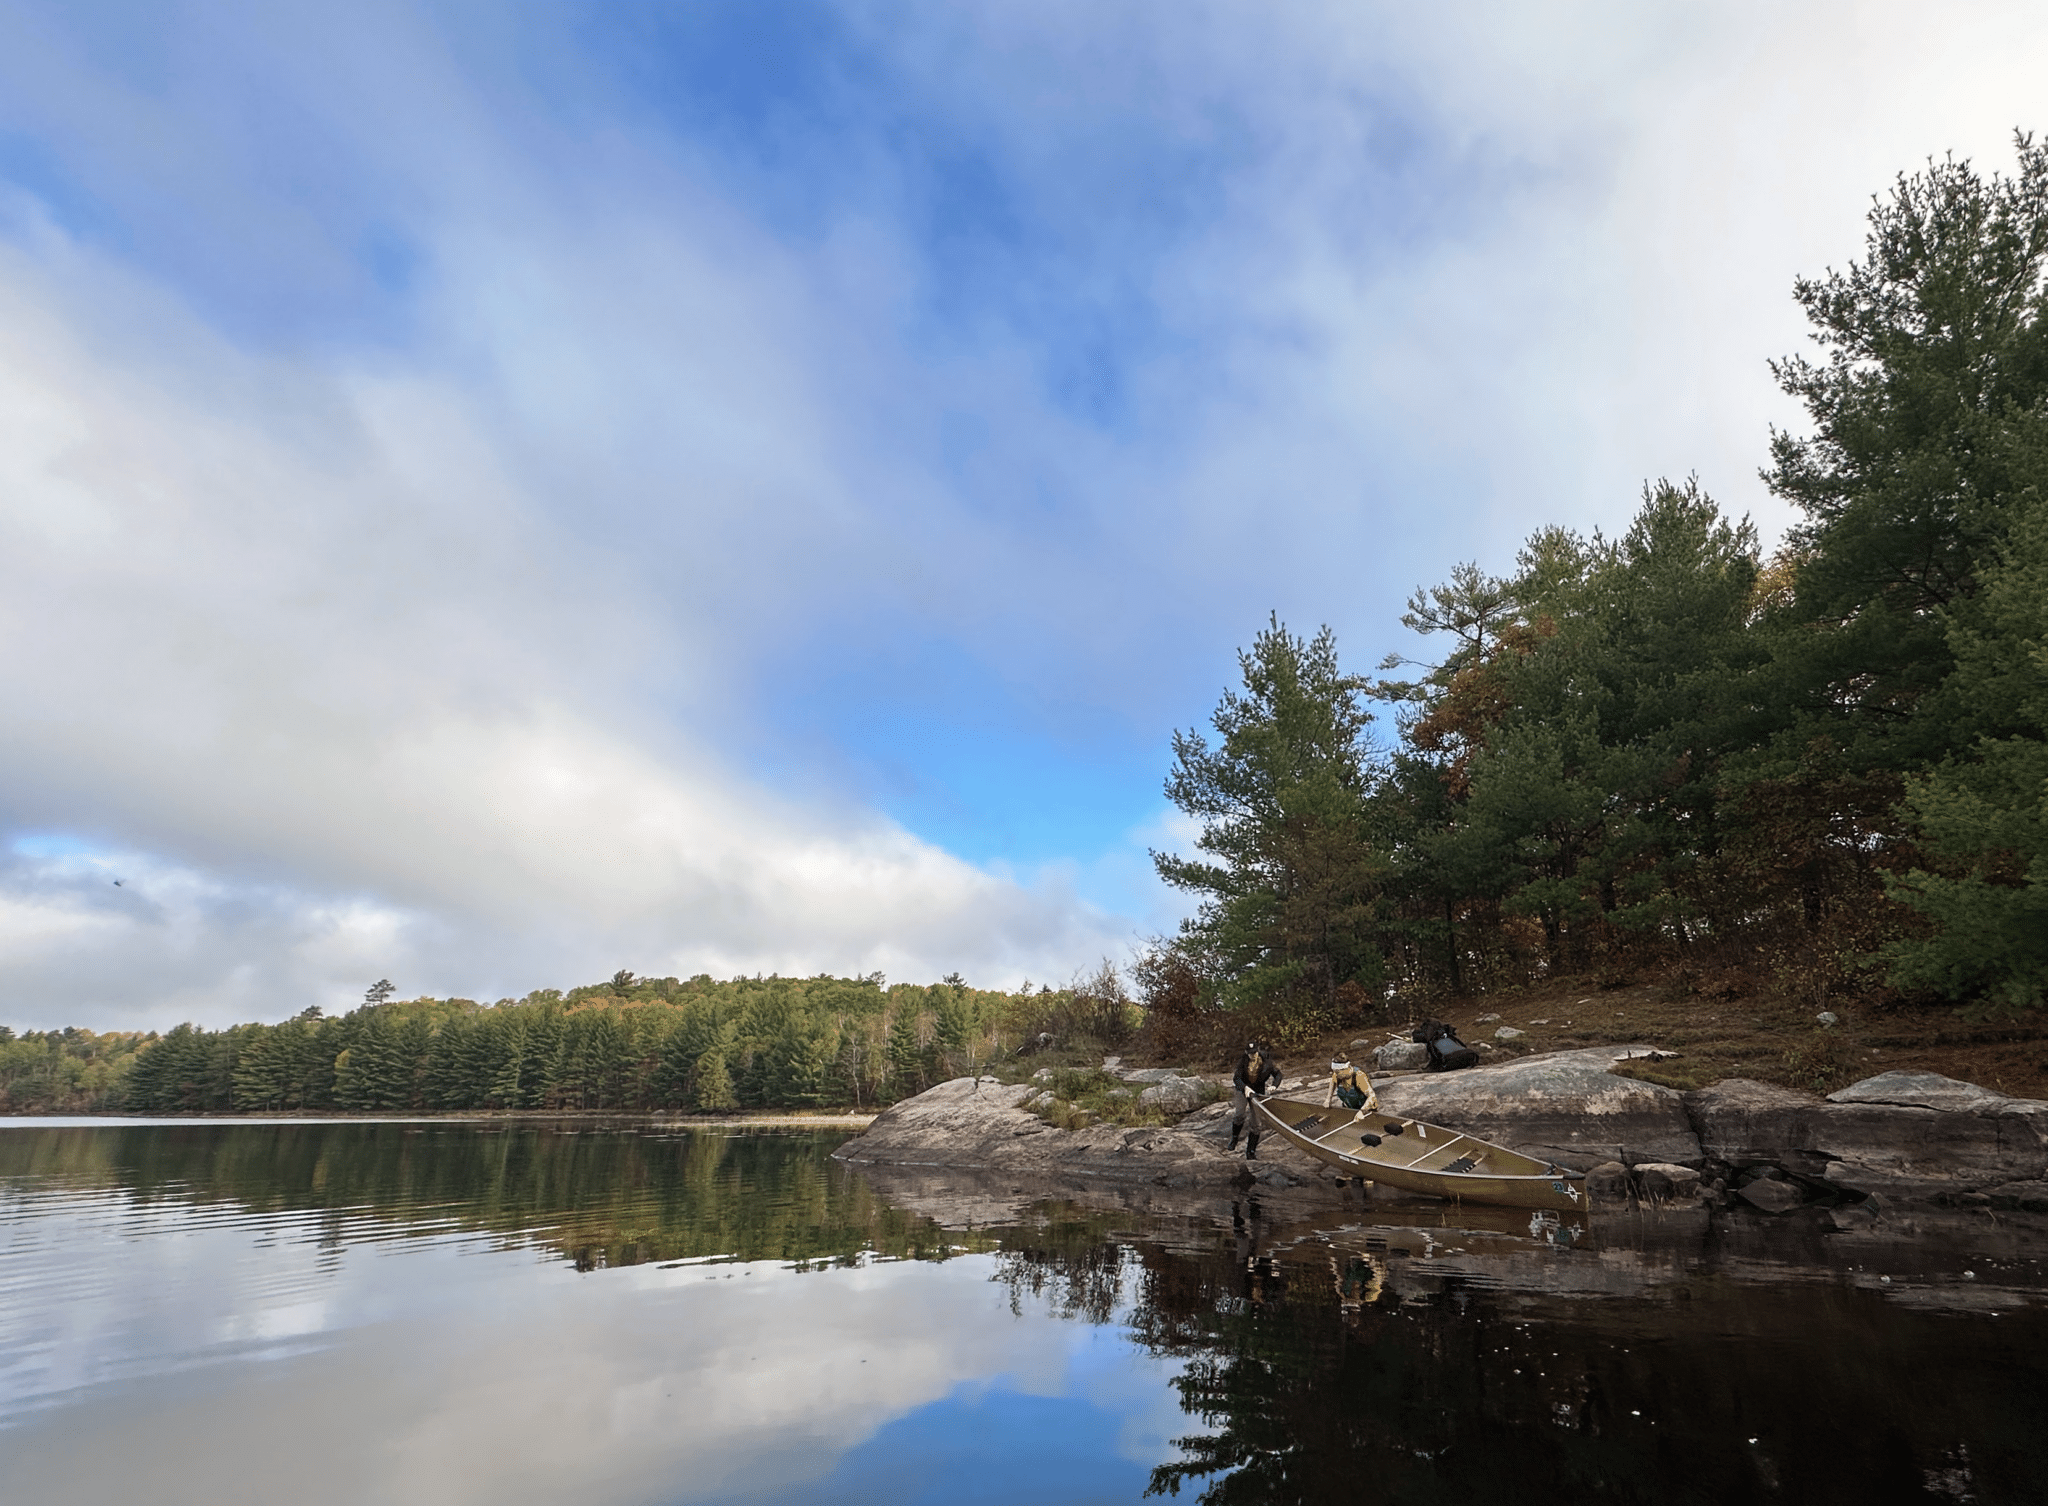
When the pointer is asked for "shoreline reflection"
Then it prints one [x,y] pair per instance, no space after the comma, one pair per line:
[518,1312]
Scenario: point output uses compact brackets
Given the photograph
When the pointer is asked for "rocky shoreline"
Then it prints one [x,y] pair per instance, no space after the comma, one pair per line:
[1899,1137]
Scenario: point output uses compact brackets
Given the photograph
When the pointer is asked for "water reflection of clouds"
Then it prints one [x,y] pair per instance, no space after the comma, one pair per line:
[445,1372]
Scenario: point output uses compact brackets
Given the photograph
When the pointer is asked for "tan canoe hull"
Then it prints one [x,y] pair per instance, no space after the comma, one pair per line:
[1421,1157]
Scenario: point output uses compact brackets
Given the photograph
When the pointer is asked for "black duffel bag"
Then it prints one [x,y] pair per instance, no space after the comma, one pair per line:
[1446,1052]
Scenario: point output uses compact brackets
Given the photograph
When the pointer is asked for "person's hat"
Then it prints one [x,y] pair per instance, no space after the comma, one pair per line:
[1338,1063]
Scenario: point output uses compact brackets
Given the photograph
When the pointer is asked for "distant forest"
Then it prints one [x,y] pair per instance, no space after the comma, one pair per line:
[629,1044]
[1820,773]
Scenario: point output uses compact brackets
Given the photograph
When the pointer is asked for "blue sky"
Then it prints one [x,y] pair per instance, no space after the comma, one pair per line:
[496,494]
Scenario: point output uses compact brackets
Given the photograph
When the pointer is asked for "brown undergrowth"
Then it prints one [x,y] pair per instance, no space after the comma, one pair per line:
[1717,1026]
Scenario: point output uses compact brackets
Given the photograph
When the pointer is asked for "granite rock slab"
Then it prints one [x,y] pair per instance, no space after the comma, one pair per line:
[969,1126]
[1566,1106]
[1904,1134]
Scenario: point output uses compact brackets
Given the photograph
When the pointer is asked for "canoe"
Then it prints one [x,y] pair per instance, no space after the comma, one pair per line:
[1418,1157]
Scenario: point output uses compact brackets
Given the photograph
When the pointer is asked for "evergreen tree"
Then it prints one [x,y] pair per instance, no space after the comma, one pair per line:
[1290,874]
[1984,812]
[1930,415]
[712,1086]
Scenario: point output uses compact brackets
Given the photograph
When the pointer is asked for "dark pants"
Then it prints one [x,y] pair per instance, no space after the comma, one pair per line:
[1242,1100]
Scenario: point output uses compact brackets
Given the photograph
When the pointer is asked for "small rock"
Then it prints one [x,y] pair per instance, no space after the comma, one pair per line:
[1770,1196]
[2030,1197]
[1509,1033]
[1401,1056]
[1486,1019]
[1361,1044]
[1828,1019]
[1111,1063]
[1608,1182]
[1043,1074]
[1121,1093]
[1667,1182]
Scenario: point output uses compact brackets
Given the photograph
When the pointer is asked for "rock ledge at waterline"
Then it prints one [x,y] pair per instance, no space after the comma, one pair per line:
[1906,1135]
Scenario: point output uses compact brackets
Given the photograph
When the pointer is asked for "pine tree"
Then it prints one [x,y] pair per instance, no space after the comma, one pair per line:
[1290,875]
[1984,812]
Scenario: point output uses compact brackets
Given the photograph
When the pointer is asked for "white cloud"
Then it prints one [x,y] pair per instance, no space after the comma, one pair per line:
[302,631]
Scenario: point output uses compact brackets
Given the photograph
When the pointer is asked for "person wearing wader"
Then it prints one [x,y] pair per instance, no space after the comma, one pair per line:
[1255,1072]
[1352,1088]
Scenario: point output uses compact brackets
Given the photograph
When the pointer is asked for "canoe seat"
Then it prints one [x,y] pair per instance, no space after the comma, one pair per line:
[1463,1163]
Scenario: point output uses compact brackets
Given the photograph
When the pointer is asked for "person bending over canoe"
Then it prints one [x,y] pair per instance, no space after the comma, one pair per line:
[1256,1073]
[1352,1088]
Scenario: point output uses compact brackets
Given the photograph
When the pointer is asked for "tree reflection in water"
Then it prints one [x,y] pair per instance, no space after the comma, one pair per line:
[598,1193]
[1363,1364]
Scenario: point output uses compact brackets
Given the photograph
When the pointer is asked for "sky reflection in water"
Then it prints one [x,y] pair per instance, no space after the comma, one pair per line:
[454,1313]
[163,1342]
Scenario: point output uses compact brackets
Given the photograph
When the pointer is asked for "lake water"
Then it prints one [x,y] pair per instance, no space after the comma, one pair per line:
[481,1312]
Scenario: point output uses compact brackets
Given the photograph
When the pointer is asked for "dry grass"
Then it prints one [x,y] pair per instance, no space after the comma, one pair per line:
[1087,1095]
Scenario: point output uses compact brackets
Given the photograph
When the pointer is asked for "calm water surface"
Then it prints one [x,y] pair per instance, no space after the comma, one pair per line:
[447,1312]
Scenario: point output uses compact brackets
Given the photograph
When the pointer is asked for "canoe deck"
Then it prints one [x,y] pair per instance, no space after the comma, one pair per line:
[1415,1156]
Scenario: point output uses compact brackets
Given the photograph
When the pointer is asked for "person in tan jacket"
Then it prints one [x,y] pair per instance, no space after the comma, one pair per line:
[1351,1087]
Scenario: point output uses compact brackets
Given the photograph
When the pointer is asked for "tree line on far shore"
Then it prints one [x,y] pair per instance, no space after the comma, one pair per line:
[1821,772]
[626,1045]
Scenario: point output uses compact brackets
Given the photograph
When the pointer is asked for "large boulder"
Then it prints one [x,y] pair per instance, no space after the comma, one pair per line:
[967,1125]
[1174,1096]
[959,1123]
[1608,1183]
[1401,1056]
[1920,1134]
[1566,1107]
[1150,1074]
[1925,1090]
[1905,1134]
